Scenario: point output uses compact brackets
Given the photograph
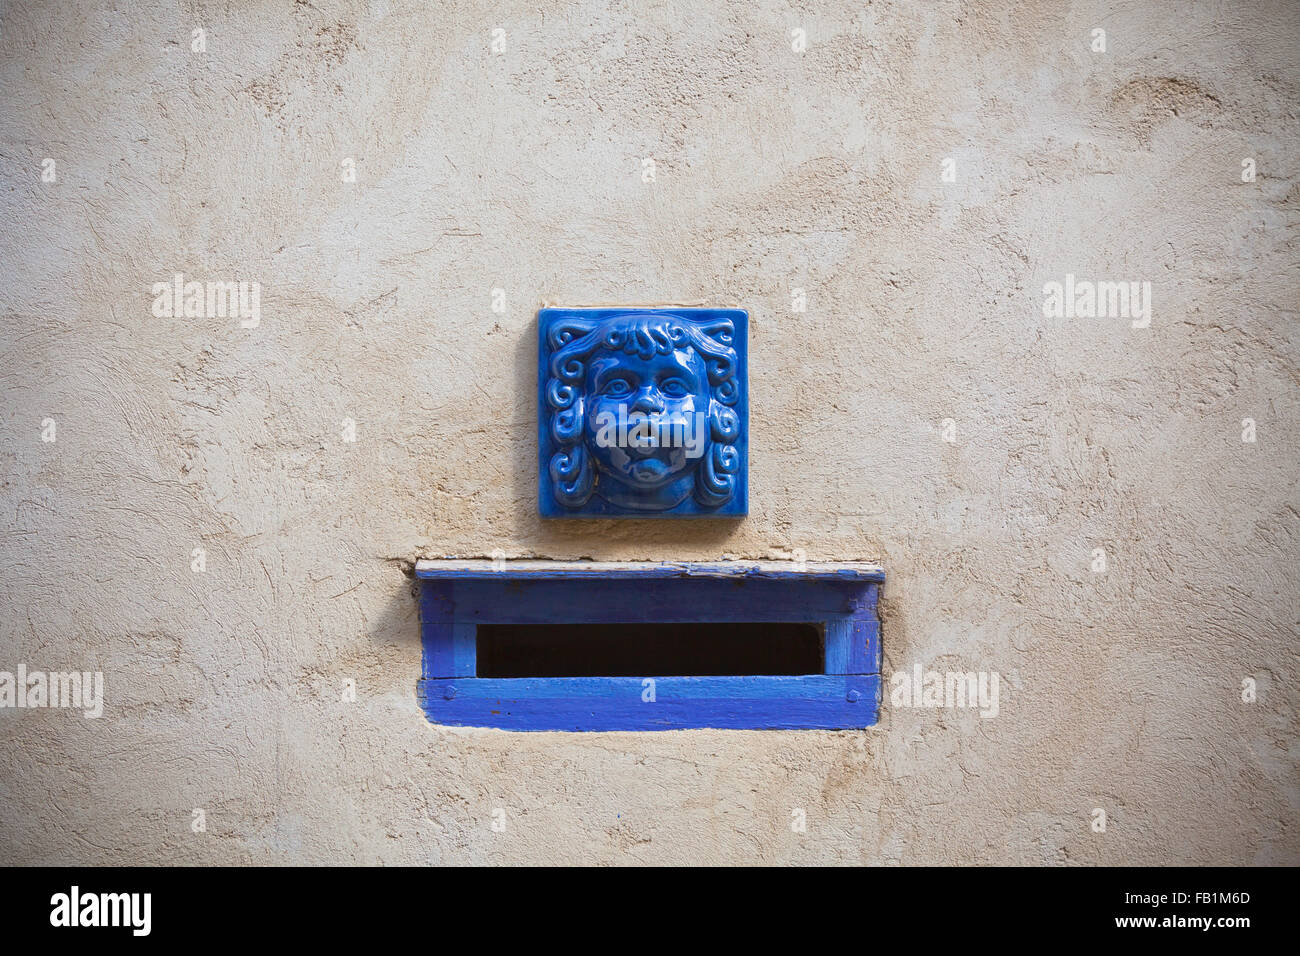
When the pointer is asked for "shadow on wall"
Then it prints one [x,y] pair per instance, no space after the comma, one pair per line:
[398,624]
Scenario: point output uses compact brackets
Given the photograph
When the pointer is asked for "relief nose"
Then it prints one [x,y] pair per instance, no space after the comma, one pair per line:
[648,400]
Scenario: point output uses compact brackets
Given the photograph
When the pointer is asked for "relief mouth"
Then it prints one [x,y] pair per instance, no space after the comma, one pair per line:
[649,469]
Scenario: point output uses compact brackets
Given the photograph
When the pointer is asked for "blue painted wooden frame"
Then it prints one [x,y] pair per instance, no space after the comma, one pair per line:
[457,596]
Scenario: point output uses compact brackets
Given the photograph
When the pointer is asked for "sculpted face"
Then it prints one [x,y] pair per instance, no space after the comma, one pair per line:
[646,421]
[643,412]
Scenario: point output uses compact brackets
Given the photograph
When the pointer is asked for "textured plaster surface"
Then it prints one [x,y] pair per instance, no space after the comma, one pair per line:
[523,170]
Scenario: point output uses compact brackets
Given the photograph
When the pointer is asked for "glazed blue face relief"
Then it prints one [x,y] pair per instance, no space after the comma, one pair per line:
[589,646]
[643,413]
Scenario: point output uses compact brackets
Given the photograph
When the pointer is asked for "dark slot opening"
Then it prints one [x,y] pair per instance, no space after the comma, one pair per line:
[648,650]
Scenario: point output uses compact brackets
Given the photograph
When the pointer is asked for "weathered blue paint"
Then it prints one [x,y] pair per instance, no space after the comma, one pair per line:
[612,602]
[449,649]
[607,379]
[814,702]
[852,646]
[457,596]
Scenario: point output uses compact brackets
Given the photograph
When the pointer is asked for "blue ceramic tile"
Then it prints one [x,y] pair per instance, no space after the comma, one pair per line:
[643,413]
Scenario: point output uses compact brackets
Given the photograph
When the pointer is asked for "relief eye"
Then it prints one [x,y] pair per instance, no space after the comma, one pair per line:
[617,386]
[675,388]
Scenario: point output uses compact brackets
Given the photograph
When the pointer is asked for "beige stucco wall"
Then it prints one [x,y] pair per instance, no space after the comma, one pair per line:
[523,171]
